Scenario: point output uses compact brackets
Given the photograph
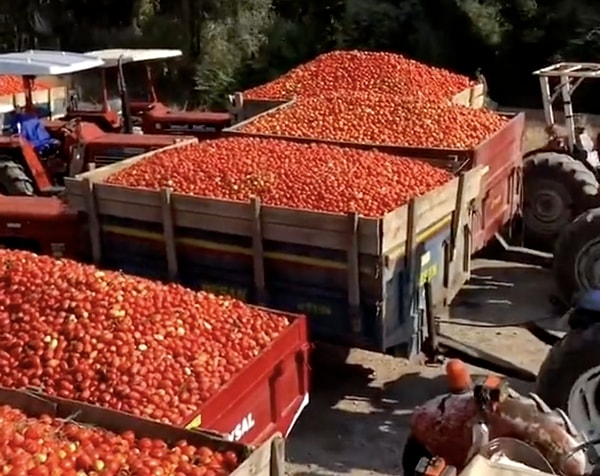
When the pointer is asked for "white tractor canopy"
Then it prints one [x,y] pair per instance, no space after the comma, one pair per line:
[573,70]
[112,56]
[46,63]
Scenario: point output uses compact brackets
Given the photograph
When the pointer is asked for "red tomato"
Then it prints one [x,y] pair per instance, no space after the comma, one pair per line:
[282,173]
[73,450]
[71,322]
[360,71]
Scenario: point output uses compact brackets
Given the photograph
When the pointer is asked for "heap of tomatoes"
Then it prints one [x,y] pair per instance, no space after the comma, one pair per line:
[154,350]
[47,446]
[373,118]
[288,174]
[360,71]
[14,85]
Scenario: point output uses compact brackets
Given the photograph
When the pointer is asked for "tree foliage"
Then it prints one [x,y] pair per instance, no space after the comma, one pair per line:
[231,44]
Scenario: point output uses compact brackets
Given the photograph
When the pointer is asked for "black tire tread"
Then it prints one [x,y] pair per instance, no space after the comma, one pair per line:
[573,355]
[13,178]
[579,172]
[411,455]
[581,183]
[576,234]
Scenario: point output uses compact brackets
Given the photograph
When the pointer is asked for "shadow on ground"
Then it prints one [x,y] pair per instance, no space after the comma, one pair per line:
[501,294]
[354,423]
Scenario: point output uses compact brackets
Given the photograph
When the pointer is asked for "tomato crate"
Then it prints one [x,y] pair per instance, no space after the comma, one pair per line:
[360,280]
[502,153]
[266,459]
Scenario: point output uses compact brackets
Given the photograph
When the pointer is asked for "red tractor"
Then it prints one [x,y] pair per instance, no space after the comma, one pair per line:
[152,116]
[35,155]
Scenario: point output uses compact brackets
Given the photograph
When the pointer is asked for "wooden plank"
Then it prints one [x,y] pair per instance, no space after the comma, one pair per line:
[478,96]
[353,274]
[246,119]
[277,456]
[94,224]
[394,228]
[282,215]
[434,207]
[457,215]
[258,254]
[129,195]
[144,205]
[258,463]
[462,98]
[409,255]
[305,219]
[169,233]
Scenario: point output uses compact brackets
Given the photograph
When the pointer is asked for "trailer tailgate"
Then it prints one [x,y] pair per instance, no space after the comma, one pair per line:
[267,396]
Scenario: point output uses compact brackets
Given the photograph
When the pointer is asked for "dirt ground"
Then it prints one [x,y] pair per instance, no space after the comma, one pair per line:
[358,418]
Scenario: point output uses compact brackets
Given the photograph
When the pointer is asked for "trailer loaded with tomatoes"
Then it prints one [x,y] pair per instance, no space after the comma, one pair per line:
[157,351]
[45,435]
[450,136]
[343,235]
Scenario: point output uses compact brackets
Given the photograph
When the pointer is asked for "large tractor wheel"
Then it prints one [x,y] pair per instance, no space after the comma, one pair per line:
[569,378]
[557,188]
[577,256]
[13,179]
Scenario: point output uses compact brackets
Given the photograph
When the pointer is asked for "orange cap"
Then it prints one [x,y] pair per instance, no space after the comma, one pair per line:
[458,376]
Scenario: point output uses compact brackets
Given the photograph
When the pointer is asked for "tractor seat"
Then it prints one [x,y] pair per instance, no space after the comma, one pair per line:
[34,132]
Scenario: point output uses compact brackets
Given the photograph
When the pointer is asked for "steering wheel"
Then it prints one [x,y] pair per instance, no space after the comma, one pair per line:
[71,126]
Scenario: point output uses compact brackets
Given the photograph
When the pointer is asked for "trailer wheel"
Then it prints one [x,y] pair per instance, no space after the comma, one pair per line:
[577,256]
[557,188]
[569,378]
[412,454]
[13,179]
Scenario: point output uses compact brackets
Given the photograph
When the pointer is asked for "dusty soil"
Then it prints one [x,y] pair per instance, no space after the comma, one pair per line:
[358,418]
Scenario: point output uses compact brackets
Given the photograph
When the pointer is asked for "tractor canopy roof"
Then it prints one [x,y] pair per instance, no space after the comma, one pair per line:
[575,70]
[46,63]
[133,55]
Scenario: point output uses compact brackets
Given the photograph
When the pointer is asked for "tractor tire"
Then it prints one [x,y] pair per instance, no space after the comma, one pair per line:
[577,256]
[412,454]
[569,376]
[556,188]
[13,179]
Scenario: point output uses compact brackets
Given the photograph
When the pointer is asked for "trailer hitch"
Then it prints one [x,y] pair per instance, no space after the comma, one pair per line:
[436,346]
[520,254]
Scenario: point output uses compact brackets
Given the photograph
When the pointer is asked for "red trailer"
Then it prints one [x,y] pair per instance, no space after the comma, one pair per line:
[501,153]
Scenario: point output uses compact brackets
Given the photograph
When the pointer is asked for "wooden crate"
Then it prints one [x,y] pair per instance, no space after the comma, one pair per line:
[266,460]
